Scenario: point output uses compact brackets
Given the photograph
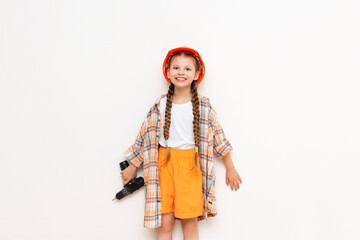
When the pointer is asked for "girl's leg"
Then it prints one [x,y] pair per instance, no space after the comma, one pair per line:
[190,228]
[167,226]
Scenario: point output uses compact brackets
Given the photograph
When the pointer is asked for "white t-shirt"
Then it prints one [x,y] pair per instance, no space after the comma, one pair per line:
[181,126]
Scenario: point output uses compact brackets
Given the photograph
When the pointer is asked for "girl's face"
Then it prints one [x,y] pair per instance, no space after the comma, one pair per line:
[182,71]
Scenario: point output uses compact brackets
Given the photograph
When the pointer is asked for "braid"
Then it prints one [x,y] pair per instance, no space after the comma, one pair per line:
[196,121]
[170,95]
[195,106]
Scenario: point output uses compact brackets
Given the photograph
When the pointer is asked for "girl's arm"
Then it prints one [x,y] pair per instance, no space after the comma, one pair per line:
[134,153]
[228,162]
[222,148]
[221,145]
[232,177]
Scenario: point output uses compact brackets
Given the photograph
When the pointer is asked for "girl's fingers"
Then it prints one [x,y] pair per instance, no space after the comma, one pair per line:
[234,184]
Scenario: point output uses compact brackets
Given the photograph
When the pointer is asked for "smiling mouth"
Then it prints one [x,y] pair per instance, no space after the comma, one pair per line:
[181,79]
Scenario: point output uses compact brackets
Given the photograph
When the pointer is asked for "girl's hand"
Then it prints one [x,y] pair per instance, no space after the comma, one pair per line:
[233,178]
[128,173]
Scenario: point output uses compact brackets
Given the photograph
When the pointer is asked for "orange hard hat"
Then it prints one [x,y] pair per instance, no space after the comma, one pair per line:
[187,49]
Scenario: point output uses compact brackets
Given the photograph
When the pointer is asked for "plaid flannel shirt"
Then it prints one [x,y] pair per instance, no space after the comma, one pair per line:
[145,152]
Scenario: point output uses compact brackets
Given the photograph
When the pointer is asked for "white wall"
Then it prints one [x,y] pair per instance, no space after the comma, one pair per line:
[78,77]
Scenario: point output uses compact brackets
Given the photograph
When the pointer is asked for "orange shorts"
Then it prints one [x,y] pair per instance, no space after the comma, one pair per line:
[180,187]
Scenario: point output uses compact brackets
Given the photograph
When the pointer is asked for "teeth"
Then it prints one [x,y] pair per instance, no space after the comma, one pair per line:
[180,78]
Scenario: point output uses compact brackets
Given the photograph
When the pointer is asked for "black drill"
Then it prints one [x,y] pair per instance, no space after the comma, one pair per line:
[133,185]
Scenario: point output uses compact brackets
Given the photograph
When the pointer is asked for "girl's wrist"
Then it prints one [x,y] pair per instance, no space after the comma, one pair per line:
[228,162]
[230,168]
[131,165]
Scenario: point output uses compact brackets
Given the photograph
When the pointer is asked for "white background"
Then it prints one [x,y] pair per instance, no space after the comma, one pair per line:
[78,77]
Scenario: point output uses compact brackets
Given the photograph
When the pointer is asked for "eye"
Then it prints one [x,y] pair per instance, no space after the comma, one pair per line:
[175,67]
[189,69]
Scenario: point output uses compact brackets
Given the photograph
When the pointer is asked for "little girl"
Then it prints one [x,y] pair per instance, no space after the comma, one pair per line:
[175,146]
